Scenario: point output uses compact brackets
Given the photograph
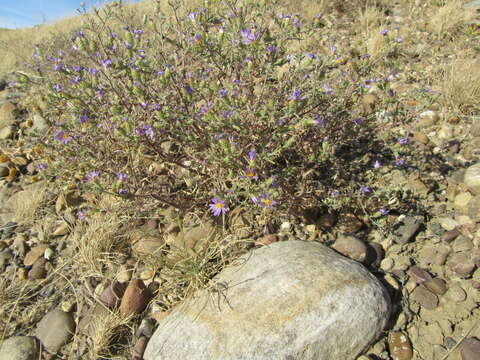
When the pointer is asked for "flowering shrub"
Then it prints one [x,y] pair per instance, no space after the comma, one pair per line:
[210,111]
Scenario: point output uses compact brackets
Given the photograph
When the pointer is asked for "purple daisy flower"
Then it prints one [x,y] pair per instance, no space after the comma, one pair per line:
[264,201]
[250,174]
[403,141]
[83,119]
[218,207]
[383,211]
[248,36]
[57,87]
[223,93]
[82,215]
[328,90]
[297,95]
[92,176]
[377,164]
[122,176]
[319,120]
[63,137]
[384,32]
[252,154]
[123,192]
[365,190]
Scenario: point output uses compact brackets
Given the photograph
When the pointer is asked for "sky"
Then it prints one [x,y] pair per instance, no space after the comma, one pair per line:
[26,13]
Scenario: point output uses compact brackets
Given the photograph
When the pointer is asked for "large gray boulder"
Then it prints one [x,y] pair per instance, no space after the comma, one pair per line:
[19,348]
[290,300]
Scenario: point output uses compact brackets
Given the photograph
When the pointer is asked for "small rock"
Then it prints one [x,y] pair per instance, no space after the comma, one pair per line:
[448,223]
[55,329]
[239,223]
[62,229]
[20,348]
[139,348]
[146,328]
[148,245]
[135,299]
[427,118]
[406,229]
[400,346]
[90,318]
[418,275]
[462,201]
[387,264]
[67,305]
[147,274]
[6,133]
[470,349]
[124,273]
[450,235]
[424,297]
[436,286]
[351,247]
[445,132]
[462,243]
[38,270]
[34,254]
[456,293]
[266,240]
[375,254]
[421,138]
[112,295]
[48,254]
[40,125]
[464,269]
[472,178]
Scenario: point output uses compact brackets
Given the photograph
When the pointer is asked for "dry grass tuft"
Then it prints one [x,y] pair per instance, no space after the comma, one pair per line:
[97,244]
[461,86]
[24,206]
[109,335]
[448,18]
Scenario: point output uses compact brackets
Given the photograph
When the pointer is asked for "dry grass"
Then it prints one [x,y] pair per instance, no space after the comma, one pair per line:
[25,205]
[448,18]
[460,86]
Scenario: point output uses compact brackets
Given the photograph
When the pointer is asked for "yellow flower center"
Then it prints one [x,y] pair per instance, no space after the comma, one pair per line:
[267,202]
[250,174]
[65,136]
[219,205]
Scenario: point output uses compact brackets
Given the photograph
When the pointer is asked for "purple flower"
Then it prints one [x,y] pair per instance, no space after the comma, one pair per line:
[248,36]
[42,166]
[399,161]
[383,211]
[384,32]
[297,23]
[76,79]
[144,105]
[138,32]
[107,63]
[145,130]
[92,176]
[157,107]
[312,56]
[328,90]
[403,141]
[319,120]
[93,71]
[123,191]
[57,67]
[83,119]
[250,174]
[333,49]
[297,95]
[122,176]
[77,68]
[218,207]
[264,201]
[112,35]
[57,87]
[399,39]
[252,155]
[63,137]
[357,121]
[377,164]
[82,215]
[74,47]
[223,93]
[127,45]
[271,49]
[365,190]
[188,89]
[334,193]
[192,16]
[81,34]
